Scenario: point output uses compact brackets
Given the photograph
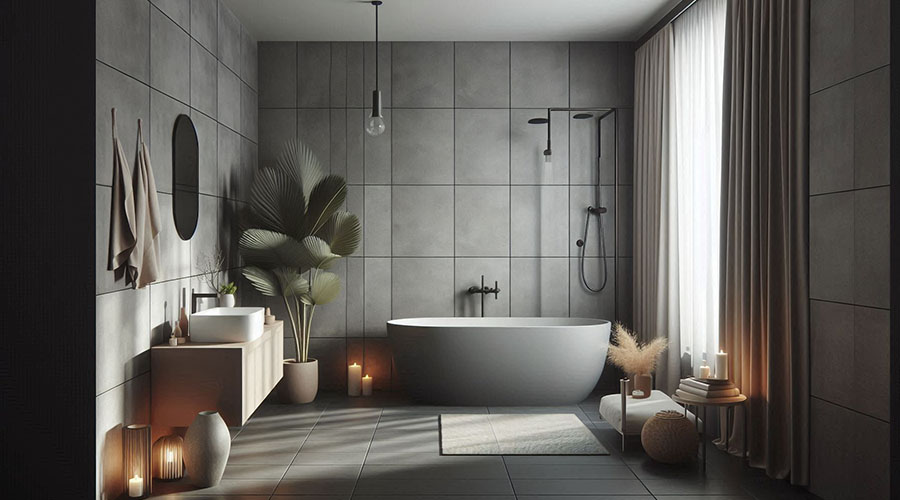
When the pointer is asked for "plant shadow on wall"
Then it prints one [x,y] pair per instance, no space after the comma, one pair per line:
[294,232]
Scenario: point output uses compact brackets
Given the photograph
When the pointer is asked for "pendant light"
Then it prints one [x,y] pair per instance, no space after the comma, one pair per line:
[375,122]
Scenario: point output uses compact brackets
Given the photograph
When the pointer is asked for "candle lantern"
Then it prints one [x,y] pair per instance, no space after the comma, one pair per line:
[136,460]
[168,460]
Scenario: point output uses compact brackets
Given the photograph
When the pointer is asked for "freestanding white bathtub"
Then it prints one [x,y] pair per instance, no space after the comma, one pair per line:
[499,361]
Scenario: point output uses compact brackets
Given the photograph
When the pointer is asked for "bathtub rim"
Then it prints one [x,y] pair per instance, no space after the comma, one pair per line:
[433,322]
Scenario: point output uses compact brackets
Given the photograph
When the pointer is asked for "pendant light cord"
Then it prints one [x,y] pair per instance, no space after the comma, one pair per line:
[376,46]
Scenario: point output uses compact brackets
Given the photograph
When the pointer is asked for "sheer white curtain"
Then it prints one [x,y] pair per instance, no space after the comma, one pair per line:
[699,57]
[655,269]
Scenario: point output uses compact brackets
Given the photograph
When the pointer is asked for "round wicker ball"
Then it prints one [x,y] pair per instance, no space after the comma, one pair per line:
[669,437]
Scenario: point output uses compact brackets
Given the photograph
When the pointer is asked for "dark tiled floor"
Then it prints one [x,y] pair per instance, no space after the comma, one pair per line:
[385,447]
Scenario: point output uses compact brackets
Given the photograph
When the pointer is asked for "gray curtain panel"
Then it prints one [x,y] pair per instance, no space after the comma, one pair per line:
[764,289]
[655,211]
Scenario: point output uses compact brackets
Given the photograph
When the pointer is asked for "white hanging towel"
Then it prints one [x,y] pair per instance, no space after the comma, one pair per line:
[122,232]
[145,257]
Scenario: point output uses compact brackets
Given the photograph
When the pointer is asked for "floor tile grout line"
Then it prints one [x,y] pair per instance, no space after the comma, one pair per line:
[368,448]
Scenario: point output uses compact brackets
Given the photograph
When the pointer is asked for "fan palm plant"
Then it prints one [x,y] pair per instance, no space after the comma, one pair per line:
[295,231]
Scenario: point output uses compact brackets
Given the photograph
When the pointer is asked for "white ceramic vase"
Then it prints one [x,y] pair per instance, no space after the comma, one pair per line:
[206,447]
[300,381]
[226,300]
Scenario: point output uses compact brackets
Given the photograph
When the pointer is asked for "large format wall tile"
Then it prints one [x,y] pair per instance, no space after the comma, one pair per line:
[422,74]
[313,74]
[229,36]
[872,247]
[831,244]
[178,10]
[337,93]
[831,139]
[468,272]
[377,151]
[540,221]
[229,98]
[482,74]
[204,80]
[416,207]
[377,292]
[314,130]
[594,81]
[249,113]
[539,286]
[123,36]
[584,303]
[249,60]
[276,126]
[871,129]
[377,228]
[170,57]
[277,74]
[847,39]
[208,144]
[229,164]
[864,451]
[205,23]
[422,287]
[539,74]
[482,221]
[482,146]
[422,146]
[123,337]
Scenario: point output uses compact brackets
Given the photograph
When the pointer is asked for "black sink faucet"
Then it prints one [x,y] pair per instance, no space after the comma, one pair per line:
[195,296]
[484,290]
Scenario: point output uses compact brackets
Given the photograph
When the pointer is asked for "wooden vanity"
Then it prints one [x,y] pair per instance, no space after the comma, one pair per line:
[232,378]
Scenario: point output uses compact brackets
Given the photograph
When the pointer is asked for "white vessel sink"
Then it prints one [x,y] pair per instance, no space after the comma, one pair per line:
[227,324]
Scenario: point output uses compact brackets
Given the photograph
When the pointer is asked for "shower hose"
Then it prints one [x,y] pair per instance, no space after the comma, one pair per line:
[583,245]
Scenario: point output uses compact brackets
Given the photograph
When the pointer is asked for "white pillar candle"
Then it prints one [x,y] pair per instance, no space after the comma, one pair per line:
[136,486]
[722,365]
[367,386]
[354,379]
[704,370]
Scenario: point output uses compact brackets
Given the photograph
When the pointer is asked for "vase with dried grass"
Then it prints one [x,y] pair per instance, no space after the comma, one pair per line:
[636,359]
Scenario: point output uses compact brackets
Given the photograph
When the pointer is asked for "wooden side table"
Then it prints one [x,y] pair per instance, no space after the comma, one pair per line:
[729,404]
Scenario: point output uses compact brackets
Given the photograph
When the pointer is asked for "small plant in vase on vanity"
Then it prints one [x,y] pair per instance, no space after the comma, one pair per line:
[637,360]
[226,294]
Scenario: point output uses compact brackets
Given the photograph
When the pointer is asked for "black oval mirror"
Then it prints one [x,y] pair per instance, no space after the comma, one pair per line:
[186,176]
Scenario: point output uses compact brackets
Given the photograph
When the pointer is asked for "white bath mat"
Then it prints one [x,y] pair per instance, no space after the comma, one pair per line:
[517,434]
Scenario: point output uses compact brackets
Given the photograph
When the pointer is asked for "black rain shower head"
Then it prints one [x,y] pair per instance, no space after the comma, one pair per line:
[582,116]
[538,121]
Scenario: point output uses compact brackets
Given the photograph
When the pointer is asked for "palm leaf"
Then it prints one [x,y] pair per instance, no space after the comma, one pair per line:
[343,233]
[316,253]
[326,198]
[270,249]
[277,202]
[324,288]
[262,280]
[299,162]
[292,284]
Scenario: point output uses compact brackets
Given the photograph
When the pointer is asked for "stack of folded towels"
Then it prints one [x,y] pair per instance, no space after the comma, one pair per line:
[694,388]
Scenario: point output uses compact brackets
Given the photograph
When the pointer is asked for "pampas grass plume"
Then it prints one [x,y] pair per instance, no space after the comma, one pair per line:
[633,357]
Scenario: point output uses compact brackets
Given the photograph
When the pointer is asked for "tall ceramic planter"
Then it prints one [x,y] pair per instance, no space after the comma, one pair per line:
[206,447]
[300,381]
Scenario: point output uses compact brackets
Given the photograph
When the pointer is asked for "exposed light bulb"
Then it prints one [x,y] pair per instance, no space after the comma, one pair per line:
[548,157]
[375,125]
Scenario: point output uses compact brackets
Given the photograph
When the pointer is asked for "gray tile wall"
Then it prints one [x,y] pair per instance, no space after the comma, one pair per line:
[849,247]
[456,187]
[155,60]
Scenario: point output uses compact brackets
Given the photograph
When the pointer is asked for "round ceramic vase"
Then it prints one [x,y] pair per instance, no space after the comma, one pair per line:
[226,300]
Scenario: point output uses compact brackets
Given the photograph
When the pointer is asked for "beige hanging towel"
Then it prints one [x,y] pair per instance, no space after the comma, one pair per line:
[145,257]
[122,236]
